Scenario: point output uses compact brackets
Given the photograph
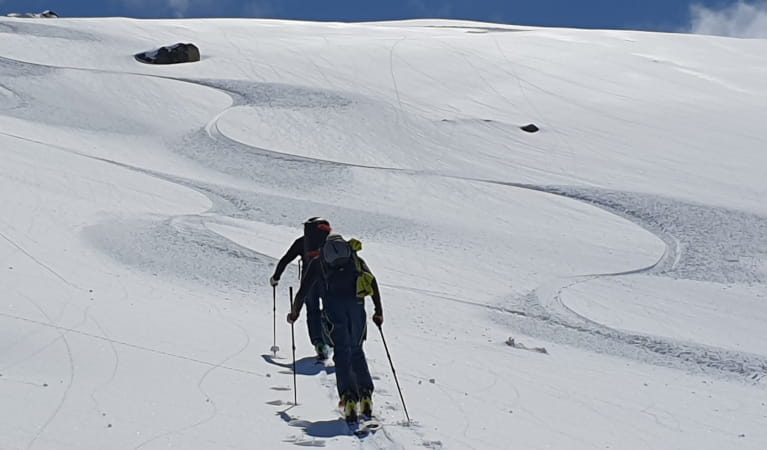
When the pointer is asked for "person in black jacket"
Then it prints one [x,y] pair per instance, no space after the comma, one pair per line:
[307,247]
[344,310]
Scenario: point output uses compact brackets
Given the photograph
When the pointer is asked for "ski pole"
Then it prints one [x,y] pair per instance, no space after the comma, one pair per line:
[394,373]
[274,348]
[293,338]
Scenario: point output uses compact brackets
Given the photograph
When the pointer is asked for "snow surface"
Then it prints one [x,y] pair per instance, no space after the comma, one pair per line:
[144,209]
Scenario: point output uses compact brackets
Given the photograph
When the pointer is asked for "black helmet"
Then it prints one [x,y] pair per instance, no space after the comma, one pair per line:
[316,229]
[318,222]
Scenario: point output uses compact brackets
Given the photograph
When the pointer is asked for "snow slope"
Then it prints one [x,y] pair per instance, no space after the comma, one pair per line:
[144,208]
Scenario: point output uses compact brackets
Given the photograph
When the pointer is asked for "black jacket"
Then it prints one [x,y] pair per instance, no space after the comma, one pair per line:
[295,250]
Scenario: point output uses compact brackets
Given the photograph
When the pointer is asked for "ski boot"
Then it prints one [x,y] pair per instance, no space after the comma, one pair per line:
[366,406]
[322,351]
[349,408]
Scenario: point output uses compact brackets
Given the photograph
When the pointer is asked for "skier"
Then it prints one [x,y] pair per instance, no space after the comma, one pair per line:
[347,280]
[316,230]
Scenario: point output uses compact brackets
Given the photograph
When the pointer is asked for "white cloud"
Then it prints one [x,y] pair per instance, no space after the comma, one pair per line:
[742,19]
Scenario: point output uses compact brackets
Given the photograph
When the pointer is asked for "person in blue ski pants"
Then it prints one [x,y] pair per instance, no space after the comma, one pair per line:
[345,329]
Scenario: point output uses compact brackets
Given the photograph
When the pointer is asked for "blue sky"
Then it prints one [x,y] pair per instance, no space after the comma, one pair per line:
[657,15]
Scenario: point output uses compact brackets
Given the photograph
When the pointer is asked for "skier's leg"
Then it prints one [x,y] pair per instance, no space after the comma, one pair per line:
[338,332]
[359,362]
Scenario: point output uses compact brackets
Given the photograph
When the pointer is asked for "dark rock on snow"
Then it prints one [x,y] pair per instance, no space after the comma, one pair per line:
[171,54]
[530,128]
[47,14]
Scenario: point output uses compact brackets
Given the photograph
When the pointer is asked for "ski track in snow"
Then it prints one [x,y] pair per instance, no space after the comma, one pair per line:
[71,373]
[113,374]
[206,398]
[112,341]
[703,244]
[555,322]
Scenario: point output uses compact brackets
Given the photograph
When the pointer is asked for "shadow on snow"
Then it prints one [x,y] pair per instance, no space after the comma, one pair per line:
[320,428]
[308,365]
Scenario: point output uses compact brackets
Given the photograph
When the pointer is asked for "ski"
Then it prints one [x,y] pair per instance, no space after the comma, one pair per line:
[365,427]
[360,425]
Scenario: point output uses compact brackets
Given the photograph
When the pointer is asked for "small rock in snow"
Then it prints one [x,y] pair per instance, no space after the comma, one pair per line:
[530,128]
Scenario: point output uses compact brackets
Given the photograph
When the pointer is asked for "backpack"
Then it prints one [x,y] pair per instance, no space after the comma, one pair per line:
[343,271]
[316,230]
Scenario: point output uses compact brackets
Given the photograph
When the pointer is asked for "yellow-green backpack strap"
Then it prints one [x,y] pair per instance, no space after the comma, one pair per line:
[355,244]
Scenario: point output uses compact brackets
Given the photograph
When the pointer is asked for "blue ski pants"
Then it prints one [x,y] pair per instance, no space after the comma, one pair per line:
[346,330]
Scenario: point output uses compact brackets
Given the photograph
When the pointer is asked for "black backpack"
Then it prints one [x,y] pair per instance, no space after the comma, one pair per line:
[338,268]
[344,273]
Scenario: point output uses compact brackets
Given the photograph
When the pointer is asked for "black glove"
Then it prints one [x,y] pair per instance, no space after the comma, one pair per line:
[292,317]
[274,281]
[378,319]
